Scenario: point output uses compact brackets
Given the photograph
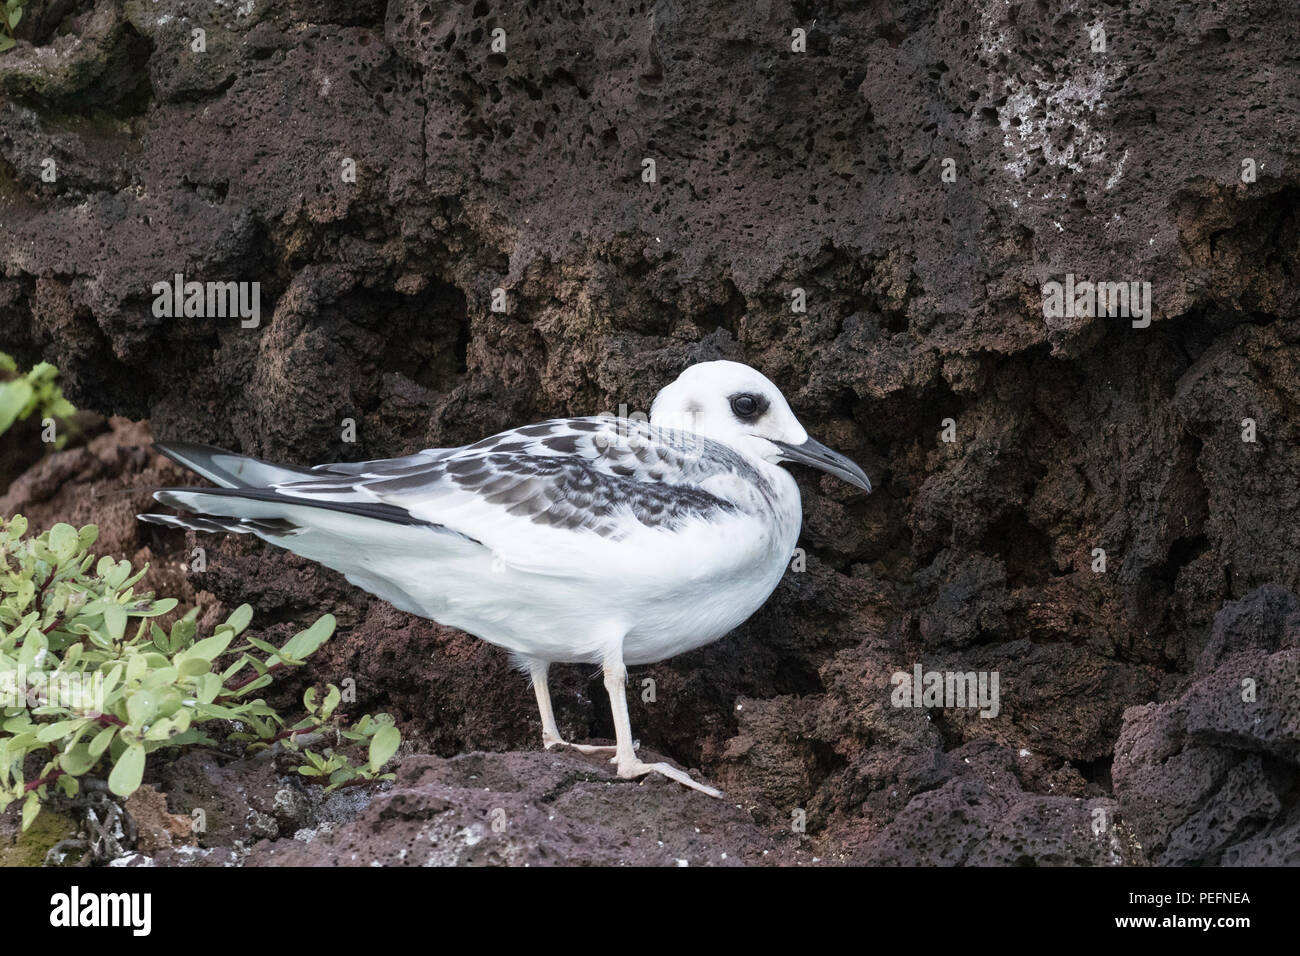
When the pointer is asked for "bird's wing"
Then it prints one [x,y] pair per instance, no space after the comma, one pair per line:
[604,476]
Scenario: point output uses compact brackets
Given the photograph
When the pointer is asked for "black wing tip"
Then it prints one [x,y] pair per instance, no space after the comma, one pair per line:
[376,510]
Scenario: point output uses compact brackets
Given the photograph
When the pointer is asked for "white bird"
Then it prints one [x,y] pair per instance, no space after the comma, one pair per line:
[578,540]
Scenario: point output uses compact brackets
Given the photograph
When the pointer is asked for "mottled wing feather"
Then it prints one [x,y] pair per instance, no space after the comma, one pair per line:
[601,475]
[388,465]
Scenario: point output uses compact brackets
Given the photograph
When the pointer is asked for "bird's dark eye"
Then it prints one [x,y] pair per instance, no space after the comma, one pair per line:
[748,407]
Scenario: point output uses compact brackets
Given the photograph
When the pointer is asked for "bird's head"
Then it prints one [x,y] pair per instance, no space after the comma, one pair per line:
[733,404]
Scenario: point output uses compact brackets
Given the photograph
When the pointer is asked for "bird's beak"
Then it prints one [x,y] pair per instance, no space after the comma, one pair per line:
[813,452]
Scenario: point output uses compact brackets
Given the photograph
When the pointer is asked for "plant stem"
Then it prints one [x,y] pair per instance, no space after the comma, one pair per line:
[244,682]
[39,600]
[48,778]
[286,734]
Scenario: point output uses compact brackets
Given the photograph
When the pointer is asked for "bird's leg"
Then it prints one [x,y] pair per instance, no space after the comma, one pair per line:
[629,766]
[550,732]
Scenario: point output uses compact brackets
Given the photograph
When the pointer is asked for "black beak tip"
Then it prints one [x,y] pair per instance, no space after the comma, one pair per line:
[817,455]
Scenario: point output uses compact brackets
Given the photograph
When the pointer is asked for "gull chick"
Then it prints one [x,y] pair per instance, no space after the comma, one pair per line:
[577,541]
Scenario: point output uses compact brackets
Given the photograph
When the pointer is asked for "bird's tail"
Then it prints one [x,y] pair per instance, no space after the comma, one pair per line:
[375,545]
[259,497]
[229,471]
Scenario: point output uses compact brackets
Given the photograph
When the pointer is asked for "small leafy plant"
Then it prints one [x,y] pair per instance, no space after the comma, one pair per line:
[36,391]
[89,683]
[11,11]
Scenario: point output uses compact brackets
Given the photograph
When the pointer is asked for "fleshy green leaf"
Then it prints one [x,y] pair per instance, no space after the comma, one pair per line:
[210,648]
[77,761]
[31,809]
[240,618]
[305,643]
[115,621]
[332,698]
[56,731]
[141,706]
[383,745]
[127,773]
[63,541]
[101,741]
[193,667]
[14,395]
[155,608]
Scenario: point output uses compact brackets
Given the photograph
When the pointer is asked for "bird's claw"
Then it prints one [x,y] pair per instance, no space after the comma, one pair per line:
[631,769]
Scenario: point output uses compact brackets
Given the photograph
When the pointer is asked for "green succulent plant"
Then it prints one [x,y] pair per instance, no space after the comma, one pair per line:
[35,391]
[11,11]
[90,684]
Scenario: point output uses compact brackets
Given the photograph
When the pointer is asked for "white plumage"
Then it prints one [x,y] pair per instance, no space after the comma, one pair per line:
[585,540]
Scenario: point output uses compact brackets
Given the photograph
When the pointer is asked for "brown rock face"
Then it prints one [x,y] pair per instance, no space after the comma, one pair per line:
[380,170]
[1210,775]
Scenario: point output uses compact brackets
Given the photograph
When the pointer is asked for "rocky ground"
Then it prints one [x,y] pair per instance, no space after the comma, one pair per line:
[1126,732]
